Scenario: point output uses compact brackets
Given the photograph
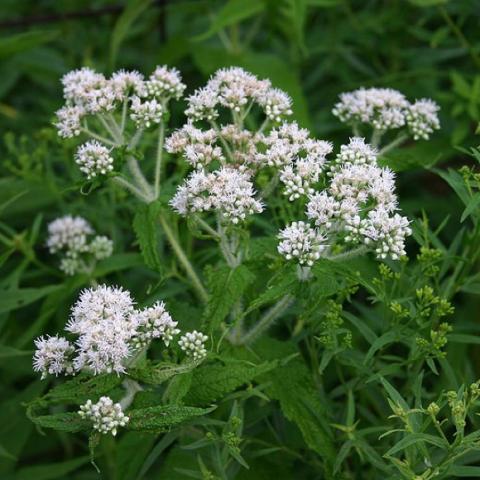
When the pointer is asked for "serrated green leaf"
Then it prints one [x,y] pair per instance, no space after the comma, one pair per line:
[292,386]
[163,417]
[63,422]
[226,286]
[157,373]
[211,382]
[145,225]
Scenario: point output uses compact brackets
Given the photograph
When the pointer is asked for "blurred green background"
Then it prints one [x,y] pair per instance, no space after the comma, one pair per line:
[313,49]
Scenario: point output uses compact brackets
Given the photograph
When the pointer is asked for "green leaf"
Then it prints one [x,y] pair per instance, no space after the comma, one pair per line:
[77,391]
[464,338]
[284,282]
[472,206]
[414,438]
[464,471]
[157,373]
[123,26]
[379,343]
[428,3]
[24,41]
[163,417]
[212,382]
[234,11]
[145,225]
[324,3]
[226,286]
[11,352]
[63,422]
[18,298]
[49,471]
[299,399]
[117,263]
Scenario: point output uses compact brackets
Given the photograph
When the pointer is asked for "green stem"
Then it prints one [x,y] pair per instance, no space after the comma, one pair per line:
[267,320]
[349,254]
[376,138]
[100,138]
[401,139]
[132,188]
[182,258]
[158,163]
[137,174]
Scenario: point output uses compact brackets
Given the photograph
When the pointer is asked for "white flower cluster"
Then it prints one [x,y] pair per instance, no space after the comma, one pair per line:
[53,356]
[236,89]
[227,191]
[299,157]
[109,330]
[94,159]
[105,415]
[301,242]
[153,322]
[72,237]
[87,93]
[109,102]
[193,344]
[358,207]
[386,109]
[422,118]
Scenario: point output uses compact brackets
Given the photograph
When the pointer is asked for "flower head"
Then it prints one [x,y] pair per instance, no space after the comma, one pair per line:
[94,159]
[153,322]
[227,191]
[102,320]
[422,118]
[68,233]
[301,242]
[105,415]
[146,113]
[165,83]
[53,356]
[193,344]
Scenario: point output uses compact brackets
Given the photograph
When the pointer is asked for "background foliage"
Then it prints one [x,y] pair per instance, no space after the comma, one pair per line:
[313,49]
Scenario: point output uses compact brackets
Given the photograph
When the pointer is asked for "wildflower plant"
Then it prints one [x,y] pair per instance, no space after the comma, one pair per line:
[282,288]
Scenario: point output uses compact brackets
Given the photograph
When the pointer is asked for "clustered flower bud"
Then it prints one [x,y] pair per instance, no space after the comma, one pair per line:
[193,344]
[105,415]
[108,330]
[301,242]
[227,191]
[386,109]
[72,237]
[94,159]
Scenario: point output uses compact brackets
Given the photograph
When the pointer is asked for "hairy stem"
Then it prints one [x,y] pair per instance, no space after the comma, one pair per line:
[267,320]
[349,254]
[140,179]
[132,188]
[98,137]
[182,258]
